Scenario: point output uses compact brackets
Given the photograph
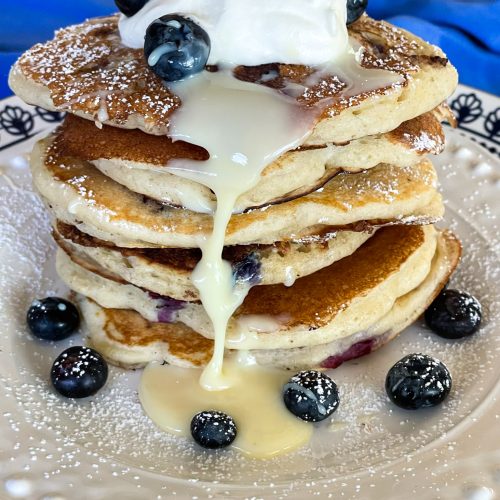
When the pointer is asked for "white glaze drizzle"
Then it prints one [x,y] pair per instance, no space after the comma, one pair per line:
[244,127]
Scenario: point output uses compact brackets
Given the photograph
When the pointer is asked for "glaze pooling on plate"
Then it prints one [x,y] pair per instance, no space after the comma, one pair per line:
[251,401]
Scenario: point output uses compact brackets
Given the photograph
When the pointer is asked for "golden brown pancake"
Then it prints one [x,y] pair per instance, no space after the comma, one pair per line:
[314,300]
[131,330]
[77,193]
[86,69]
[128,340]
[334,302]
[167,271]
[138,160]
[81,139]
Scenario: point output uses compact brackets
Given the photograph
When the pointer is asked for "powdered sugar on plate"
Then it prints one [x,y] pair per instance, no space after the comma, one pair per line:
[49,446]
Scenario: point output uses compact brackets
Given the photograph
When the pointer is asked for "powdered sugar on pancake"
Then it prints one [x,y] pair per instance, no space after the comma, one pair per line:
[88,71]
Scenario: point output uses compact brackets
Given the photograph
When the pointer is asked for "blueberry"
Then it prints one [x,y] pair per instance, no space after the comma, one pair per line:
[454,314]
[213,429]
[418,381]
[176,47]
[130,7]
[248,270]
[355,9]
[311,396]
[52,318]
[79,372]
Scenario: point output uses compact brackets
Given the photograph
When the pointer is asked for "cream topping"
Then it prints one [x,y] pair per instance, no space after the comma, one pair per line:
[253,32]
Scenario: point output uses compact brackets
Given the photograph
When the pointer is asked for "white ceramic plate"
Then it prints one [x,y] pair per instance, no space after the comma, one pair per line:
[106,448]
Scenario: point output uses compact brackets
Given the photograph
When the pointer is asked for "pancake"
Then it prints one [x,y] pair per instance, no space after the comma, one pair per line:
[405,311]
[126,339]
[167,271]
[86,71]
[78,194]
[332,303]
[137,160]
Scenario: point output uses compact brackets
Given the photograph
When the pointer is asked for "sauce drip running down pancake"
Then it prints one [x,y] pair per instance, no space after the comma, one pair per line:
[244,127]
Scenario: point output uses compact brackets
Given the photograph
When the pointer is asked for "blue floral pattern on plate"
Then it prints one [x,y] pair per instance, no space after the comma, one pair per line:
[478,114]
[19,121]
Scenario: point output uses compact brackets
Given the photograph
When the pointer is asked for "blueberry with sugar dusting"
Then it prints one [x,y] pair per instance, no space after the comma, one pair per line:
[176,47]
[52,318]
[79,372]
[355,9]
[130,7]
[213,429]
[311,396]
[454,314]
[418,381]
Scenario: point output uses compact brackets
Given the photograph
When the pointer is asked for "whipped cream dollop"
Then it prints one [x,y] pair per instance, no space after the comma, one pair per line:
[254,32]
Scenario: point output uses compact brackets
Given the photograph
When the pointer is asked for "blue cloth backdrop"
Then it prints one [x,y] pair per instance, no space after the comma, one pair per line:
[467,30]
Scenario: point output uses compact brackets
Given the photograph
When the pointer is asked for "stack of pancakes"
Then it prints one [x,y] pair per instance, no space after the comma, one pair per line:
[337,239]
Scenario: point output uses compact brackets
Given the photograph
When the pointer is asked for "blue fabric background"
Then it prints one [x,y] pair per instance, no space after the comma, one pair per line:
[467,30]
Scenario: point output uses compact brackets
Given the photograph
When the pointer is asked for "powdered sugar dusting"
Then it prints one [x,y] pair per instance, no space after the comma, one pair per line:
[110,437]
[87,70]
[54,446]
[425,142]
[386,183]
